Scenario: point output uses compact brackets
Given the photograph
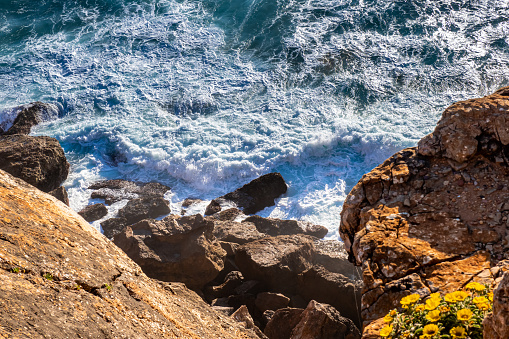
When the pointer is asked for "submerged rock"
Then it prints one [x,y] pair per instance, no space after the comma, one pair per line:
[40,161]
[93,212]
[254,196]
[62,279]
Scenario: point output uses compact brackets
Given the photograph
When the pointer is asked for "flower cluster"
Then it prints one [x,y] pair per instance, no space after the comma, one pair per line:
[456,315]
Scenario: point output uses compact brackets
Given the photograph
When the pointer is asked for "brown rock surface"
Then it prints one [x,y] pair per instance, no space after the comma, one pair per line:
[61,278]
[275,227]
[434,217]
[317,321]
[40,161]
[174,249]
[276,261]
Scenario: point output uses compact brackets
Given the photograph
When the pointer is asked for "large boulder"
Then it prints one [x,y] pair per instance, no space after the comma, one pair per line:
[118,189]
[21,119]
[317,321]
[63,279]
[174,249]
[334,289]
[435,217]
[276,261]
[236,232]
[40,161]
[253,196]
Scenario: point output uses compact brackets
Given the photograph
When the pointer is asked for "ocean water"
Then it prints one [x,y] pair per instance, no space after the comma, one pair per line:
[206,95]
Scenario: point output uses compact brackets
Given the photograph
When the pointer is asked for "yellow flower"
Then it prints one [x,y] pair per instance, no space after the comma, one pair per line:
[483,306]
[410,299]
[490,296]
[480,300]
[475,286]
[433,316]
[460,295]
[450,298]
[458,332]
[430,330]
[419,308]
[432,303]
[388,319]
[424,337]
[386,331]
[464,314]
[435,296]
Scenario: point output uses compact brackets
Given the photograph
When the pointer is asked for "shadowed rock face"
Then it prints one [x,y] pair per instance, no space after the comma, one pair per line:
[496,324]
[174,249]
[62,279]
[40,161]
[434,217]
[27,116]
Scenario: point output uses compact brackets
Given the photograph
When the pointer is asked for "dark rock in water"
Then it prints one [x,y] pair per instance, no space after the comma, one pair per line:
[93,212]
[228,214]
[28,116]
[254,196]
[317,321]
[213,208]
[174,249]
[113,226]
[40,161]
[115,190]
[334,289]
[276,261]
[190,201]
[275,227]
[61,194]
[143,208]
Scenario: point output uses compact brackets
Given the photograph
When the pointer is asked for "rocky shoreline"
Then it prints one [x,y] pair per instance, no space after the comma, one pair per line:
[276,278]
[431,218]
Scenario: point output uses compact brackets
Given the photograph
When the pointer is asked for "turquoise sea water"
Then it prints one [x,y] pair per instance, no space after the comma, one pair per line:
[206,95]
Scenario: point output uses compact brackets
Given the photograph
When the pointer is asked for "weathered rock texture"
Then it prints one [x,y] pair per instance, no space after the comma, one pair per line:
[93,212]
[62,279]
[174,249]
[40,161]
[434,217]
[496,324]
[317,321]
[275,227]
[253,196]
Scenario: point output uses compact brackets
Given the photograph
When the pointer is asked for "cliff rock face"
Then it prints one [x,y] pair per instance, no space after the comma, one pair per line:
[62,279]
[434,217]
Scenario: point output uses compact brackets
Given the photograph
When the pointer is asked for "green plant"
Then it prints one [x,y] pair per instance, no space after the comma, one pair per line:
[108,287]
[15,270]
[48,276]
[455,316]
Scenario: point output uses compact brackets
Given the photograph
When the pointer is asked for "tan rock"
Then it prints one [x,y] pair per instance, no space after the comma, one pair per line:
[61,278]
